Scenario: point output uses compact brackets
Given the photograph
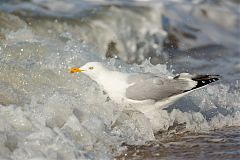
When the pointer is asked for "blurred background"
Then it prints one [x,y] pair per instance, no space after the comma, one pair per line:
[195,34]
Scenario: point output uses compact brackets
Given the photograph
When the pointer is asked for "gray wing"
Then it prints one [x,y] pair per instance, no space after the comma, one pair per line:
[147,86]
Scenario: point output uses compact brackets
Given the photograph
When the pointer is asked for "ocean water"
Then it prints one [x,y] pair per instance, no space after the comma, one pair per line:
[47,113]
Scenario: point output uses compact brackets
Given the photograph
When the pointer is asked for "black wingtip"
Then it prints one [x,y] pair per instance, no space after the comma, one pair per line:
[203,80]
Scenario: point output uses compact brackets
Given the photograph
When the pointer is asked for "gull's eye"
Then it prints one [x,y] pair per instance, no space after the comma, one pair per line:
[91,68]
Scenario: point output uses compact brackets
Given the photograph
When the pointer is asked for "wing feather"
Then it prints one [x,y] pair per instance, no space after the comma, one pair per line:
[156,88]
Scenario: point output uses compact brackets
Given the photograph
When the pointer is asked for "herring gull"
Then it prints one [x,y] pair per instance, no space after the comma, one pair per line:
[145,92]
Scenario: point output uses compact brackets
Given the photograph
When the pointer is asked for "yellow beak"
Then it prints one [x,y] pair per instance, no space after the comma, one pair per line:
[74,70]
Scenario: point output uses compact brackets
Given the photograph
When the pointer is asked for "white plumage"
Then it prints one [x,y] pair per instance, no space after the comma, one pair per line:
[144,92]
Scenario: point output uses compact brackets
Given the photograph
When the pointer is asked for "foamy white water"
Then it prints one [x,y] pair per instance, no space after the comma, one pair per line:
[47,113]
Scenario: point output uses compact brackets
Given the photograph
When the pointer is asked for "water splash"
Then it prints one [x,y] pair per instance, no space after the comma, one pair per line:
[47,113]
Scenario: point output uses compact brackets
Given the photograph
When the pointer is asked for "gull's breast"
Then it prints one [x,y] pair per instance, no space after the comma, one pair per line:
[115,85]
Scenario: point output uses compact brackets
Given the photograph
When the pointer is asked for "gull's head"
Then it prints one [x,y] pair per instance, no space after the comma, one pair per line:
[91,69]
